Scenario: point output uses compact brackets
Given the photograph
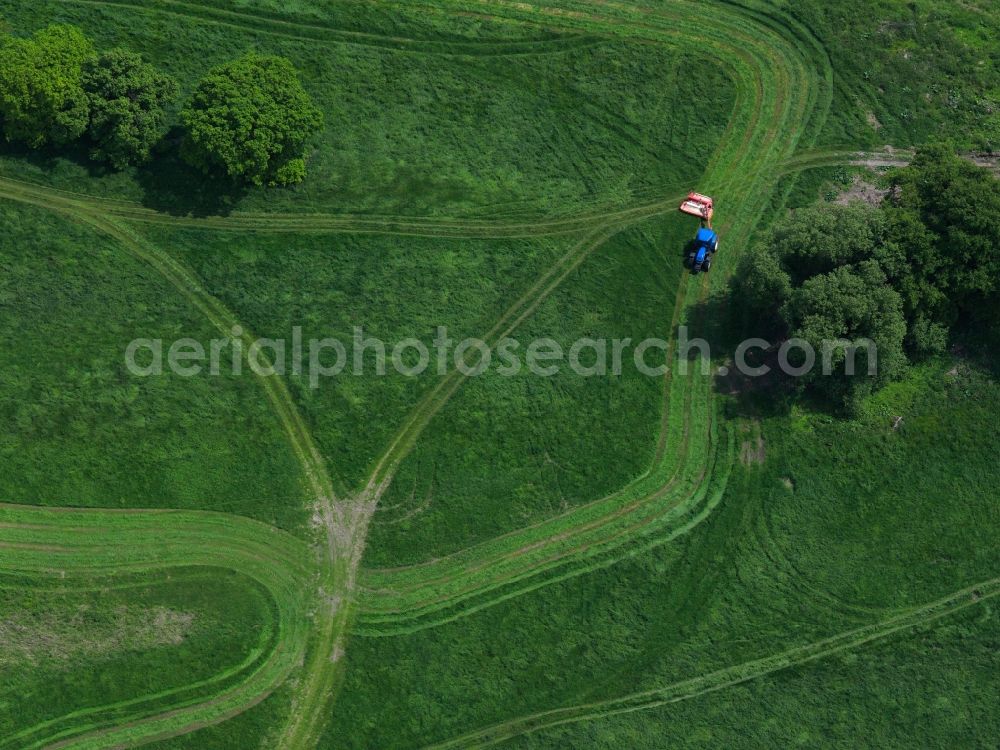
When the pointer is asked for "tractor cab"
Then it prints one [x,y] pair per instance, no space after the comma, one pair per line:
[705,245]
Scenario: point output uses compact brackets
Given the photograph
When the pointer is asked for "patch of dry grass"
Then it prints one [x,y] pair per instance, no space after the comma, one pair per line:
[58,638]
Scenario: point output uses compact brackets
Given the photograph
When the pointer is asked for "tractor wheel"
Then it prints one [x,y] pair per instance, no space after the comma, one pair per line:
[707,265]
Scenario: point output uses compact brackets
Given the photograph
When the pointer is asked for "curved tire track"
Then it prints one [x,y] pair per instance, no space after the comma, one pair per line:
[314,32]
[778,92]
[51,541]
[730,676]
[401,600]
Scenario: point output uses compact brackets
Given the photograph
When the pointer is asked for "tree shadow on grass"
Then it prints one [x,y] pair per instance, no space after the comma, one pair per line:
[169,184]
[172,186]
[750,391]
[47,159]
[976,337]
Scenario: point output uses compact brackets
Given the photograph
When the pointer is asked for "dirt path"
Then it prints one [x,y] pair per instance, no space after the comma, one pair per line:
[886,158]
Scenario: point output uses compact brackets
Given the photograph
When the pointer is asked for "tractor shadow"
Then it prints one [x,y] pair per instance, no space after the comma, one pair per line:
[689,248]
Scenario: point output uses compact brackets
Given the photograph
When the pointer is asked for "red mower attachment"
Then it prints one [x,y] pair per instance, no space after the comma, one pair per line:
[698,205]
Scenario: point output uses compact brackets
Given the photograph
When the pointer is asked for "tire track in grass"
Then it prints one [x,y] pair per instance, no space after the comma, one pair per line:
[787,574]
[215,312]
[730,676]
[334,519]
[770,81]
[591,536]
[346,520]
[672,206]
[406,437]
[785,112]
[315,32]
[419,590]
[471,228]
[118,712]
[772,139]
[51,541]
[609,544]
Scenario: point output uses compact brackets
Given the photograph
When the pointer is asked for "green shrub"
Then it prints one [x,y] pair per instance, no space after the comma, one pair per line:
[850,304]
[927,338]
[946,212]
[818,240]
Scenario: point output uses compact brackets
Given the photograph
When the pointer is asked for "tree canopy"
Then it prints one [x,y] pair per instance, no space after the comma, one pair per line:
[837,312]
[946,212]
[819,277]
[41,94]
[821,239]
[128,100]
[251,118]
[900,275]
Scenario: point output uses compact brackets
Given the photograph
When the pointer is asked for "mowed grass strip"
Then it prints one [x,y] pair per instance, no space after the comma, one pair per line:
[698,686]
[739,221]
[720,602]
[93,542]
[97,649]
[508,451]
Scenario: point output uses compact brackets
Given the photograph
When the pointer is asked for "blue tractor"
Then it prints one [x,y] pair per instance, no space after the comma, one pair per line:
[705,245]
[706,242]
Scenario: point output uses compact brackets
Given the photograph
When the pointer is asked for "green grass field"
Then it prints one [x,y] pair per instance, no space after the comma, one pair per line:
[553,129]
[82,429]
[80,645]
[771,570]
[390,562]
[457,489]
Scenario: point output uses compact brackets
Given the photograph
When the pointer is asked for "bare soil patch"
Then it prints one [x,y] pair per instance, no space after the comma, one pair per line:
[753,452]
[861,190]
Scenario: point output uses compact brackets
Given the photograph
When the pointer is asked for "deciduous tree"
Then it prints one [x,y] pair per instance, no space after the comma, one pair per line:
[251,118]
[850,304]
[946,211]
[41,94]
[128,106]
